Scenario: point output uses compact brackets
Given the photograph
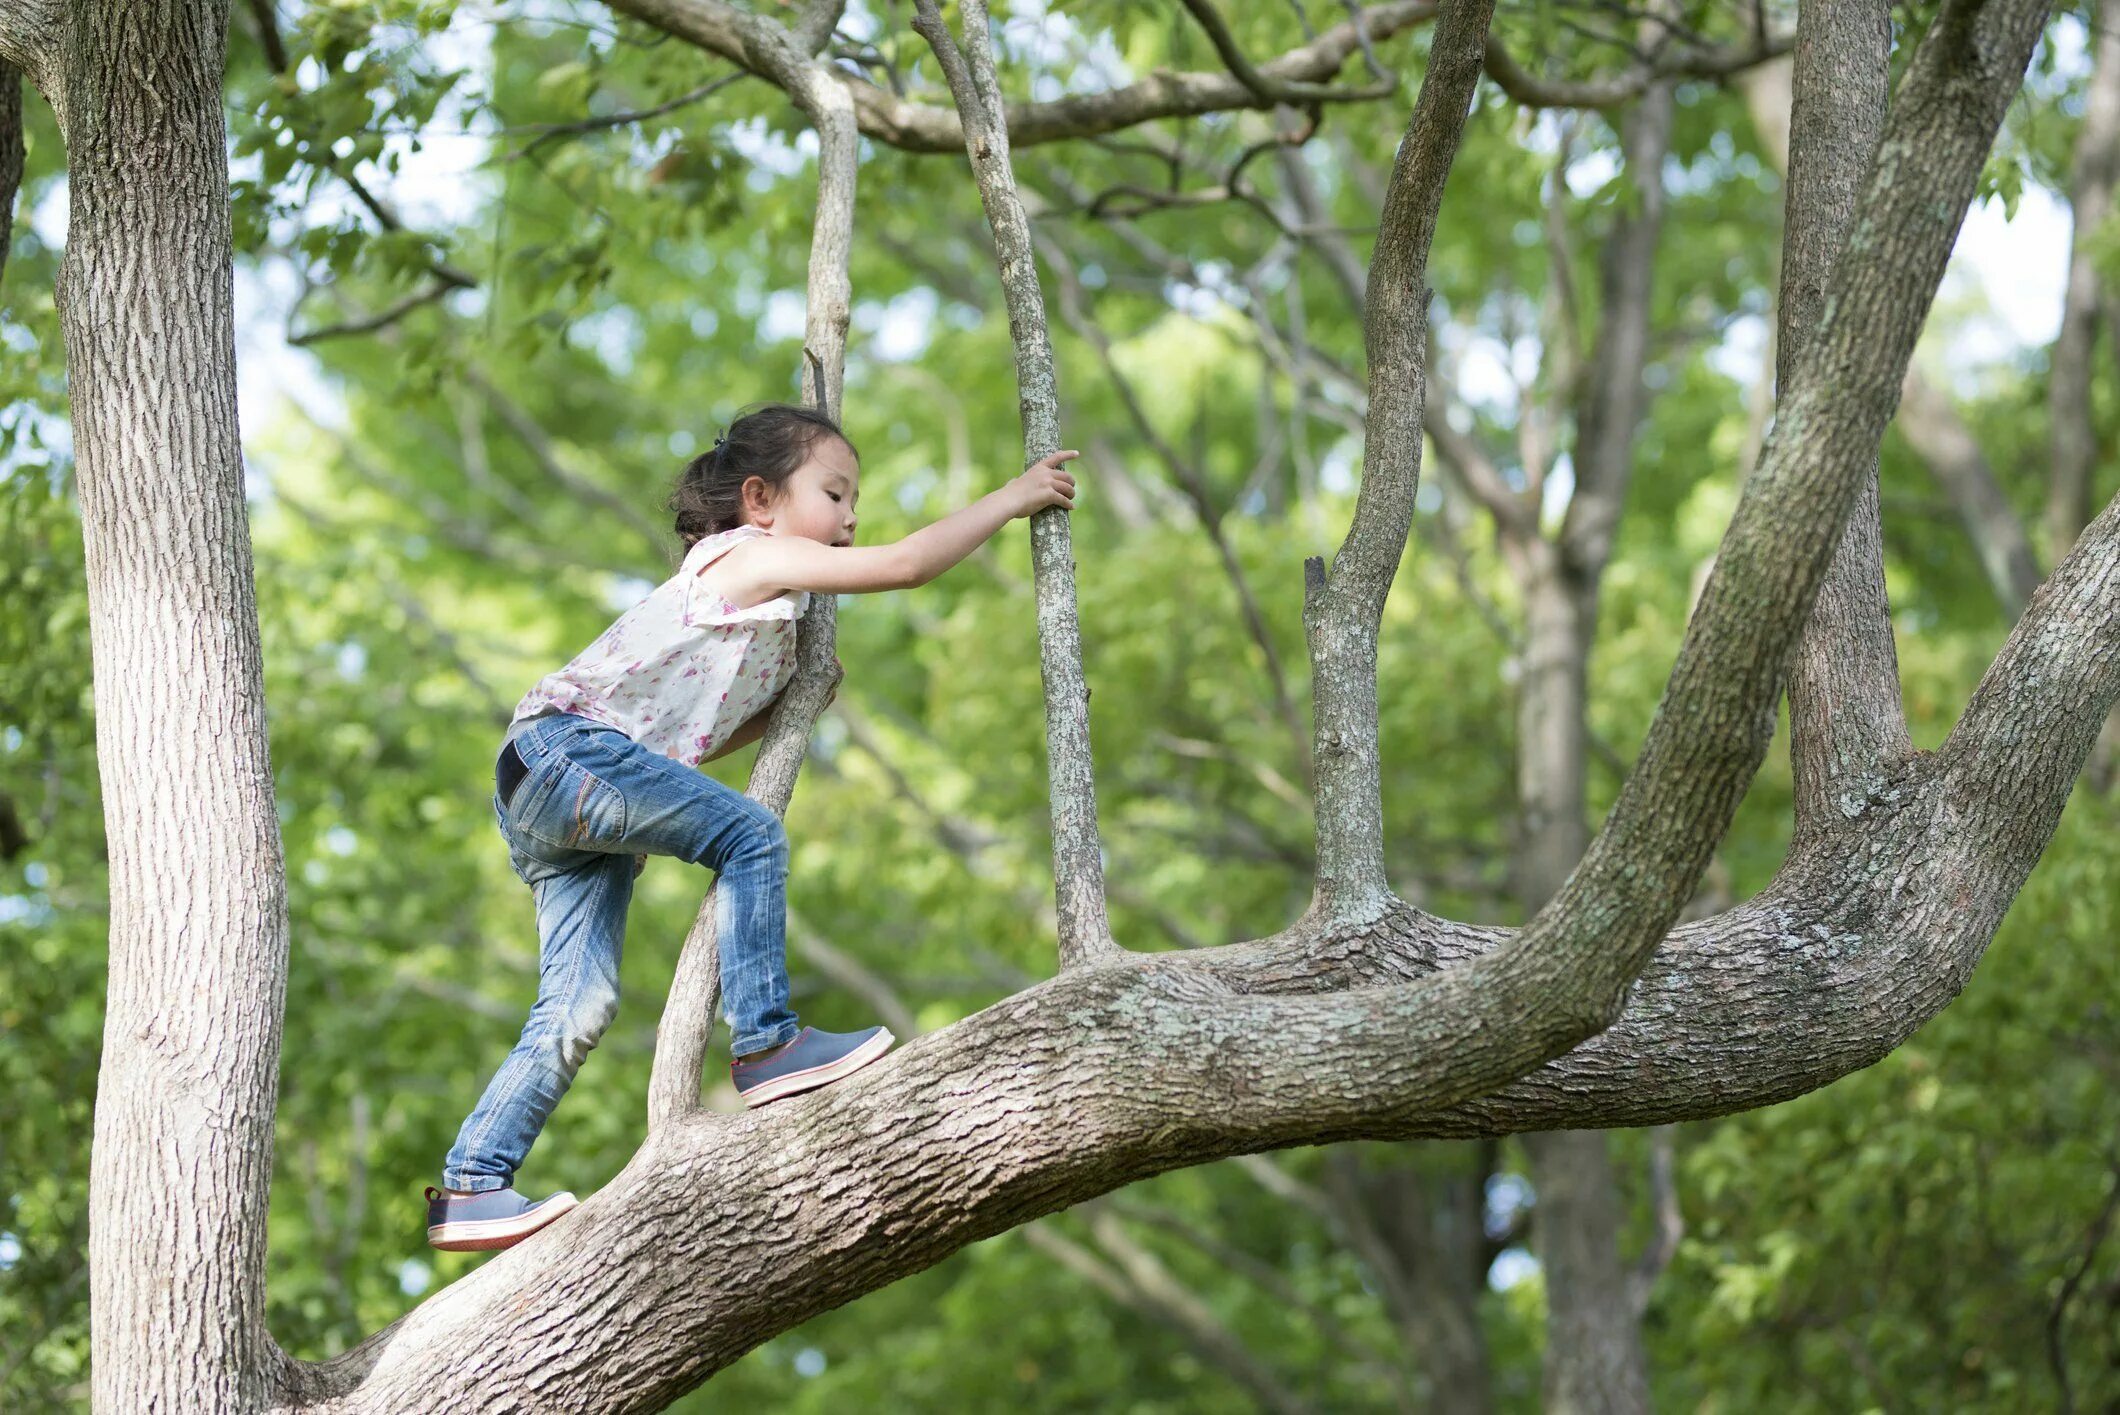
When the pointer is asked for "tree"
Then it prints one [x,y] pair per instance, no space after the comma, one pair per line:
[1588,1016]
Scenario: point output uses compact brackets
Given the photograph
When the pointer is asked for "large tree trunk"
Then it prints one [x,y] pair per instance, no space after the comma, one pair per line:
[198,906]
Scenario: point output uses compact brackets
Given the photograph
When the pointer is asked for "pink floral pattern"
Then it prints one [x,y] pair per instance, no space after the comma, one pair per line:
[735,662]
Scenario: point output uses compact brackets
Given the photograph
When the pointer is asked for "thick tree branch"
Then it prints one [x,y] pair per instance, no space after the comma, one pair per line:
[1849,646]
[1078,867]
[1786,527]
[718,1235]
[2015,750]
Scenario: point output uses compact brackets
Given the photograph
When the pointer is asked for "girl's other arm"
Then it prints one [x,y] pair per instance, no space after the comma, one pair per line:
[753,728]
[779,563]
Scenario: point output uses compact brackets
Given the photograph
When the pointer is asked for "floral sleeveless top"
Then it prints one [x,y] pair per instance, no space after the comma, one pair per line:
[683,669]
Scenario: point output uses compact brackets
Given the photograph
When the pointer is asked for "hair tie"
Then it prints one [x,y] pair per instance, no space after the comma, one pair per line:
[720,440]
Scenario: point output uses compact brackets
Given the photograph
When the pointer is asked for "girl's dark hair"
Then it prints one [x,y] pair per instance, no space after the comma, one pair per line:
[767,440]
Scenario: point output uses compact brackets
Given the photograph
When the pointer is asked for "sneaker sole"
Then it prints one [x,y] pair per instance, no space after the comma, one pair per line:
[484,1234]
[796,1082]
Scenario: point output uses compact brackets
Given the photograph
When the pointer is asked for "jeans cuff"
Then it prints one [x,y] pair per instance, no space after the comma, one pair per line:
[473,1183]
[766,1041]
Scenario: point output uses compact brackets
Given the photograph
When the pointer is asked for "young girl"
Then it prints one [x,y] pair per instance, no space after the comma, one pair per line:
[597,772]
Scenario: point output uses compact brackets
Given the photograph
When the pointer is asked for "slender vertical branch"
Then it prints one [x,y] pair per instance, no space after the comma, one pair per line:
[1078,868]
[695,988]
[1846,722]
[1342,609]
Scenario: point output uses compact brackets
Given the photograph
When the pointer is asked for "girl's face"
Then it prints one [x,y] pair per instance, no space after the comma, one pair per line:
[816,501]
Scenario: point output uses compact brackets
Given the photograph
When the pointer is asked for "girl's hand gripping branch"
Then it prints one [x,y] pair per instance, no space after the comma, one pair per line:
[1043,484]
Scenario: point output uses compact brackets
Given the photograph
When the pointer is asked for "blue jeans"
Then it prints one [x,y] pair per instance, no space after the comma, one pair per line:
[588,800]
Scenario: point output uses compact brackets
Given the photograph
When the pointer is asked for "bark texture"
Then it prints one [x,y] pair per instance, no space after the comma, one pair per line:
[198,908]
[1845,716]
[33,35]
[1342,608]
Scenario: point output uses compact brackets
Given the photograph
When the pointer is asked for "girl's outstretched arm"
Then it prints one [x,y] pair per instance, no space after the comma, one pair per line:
[771,565]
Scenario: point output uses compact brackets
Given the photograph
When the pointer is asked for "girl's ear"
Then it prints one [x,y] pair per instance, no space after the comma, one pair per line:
[757,500]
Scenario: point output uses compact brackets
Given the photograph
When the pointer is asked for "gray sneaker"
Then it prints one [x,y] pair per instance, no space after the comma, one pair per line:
[811,1059]
[496,1218]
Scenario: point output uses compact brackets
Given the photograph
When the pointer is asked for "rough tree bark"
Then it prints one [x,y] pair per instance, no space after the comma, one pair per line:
[1368,1018]
[1846,723]
[198,902]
